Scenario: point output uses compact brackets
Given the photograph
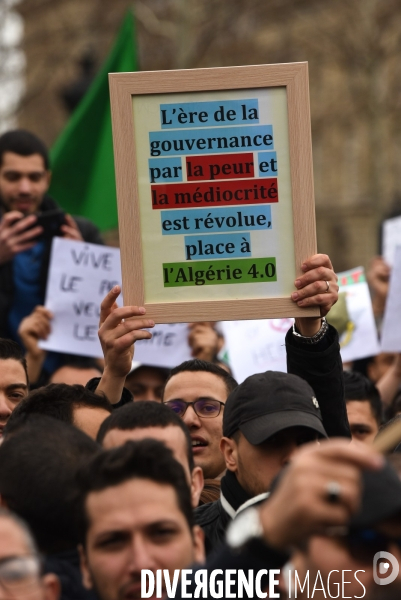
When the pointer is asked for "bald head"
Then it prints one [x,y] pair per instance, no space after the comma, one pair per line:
[17,528]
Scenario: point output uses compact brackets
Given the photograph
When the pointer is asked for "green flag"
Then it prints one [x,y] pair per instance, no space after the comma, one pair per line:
[83,181]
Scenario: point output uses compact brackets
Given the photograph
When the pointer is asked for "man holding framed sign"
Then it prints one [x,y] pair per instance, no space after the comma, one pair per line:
[215,193]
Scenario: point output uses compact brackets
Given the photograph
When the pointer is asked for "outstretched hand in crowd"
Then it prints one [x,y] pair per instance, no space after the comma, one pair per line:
[119,329]
[32,329]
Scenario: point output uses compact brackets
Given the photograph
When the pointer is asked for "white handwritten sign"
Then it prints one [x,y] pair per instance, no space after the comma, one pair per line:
[167,348]
[256,346]
[80,275]
[391,331]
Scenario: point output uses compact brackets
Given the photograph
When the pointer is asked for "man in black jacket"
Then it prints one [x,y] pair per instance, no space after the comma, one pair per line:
[313,354]
[24,254]
[265,420]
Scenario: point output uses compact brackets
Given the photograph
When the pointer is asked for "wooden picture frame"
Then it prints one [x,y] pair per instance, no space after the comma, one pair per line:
[281,89]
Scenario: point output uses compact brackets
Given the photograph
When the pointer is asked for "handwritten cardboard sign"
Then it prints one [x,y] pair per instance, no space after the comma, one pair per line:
[80,275]
[216,209]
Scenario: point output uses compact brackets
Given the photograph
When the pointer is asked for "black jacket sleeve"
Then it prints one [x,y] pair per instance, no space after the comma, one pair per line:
[321,366]
[126,396]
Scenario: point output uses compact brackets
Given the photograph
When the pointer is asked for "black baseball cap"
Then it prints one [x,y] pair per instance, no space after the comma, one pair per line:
[269,402]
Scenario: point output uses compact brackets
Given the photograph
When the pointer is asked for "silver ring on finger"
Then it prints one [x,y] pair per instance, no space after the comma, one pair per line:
[333,492]
[327,287]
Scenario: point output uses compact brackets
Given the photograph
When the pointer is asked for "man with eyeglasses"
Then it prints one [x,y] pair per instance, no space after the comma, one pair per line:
[196,391]
[20,567]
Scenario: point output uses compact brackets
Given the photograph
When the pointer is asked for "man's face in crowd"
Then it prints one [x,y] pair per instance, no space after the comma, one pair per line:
[13,388]
[146,383]
[205,432]
[362,422]
[23,182]
[132,526]
[89,418]
[256,466]
[16,557]
[173,437]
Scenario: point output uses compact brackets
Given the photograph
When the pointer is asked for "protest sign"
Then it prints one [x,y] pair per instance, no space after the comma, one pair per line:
[216,210]
[391,330]
[256,346]
[168,346]
[80,275]
[391,239]
[353,318]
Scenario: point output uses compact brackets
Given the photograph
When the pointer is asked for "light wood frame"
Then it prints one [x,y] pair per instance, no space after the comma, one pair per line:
[123,87]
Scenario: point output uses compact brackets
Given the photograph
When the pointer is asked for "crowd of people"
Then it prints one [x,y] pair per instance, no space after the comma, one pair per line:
[109,468]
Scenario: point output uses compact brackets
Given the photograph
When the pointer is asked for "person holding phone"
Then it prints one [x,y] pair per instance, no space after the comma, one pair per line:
[29,219]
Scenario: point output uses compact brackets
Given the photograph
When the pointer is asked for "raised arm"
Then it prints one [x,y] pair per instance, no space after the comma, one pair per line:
[314,354]
[33,328]
[119,329]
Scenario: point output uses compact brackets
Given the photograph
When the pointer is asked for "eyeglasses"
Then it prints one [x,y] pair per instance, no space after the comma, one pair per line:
[17,573]
[206,408]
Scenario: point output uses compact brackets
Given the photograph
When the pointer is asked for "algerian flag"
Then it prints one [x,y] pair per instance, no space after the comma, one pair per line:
[82,161]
